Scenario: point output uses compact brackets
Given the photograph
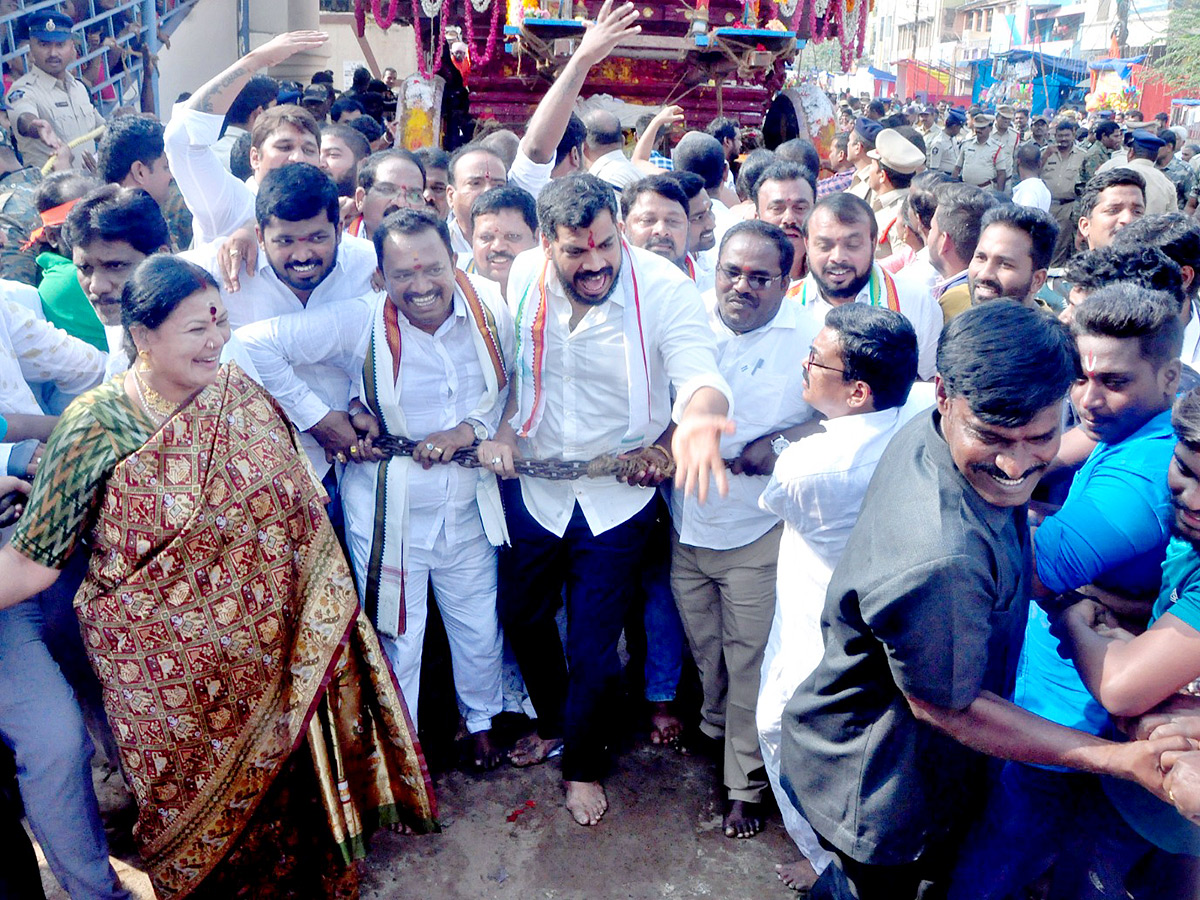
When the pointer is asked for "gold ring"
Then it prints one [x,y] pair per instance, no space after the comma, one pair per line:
[353,449]
[234,251]
[437,450]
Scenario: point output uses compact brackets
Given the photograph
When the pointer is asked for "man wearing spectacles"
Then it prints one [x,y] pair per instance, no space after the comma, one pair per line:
[725,551]
[387,181]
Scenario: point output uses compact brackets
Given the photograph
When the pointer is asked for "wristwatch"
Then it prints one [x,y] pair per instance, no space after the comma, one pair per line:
[481,430]
[779,443]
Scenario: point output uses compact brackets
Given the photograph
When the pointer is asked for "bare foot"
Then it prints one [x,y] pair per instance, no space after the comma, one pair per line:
[400,828]
[487,754]
[743,820]
[665,726]
[586,801]
[798,875]
[531,750]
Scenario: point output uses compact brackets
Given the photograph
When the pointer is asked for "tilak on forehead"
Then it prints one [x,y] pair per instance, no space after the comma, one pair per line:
[1089,363]
[212,311]
[591,240]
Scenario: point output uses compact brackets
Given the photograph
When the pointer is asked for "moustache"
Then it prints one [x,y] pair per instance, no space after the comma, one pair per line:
[499,256]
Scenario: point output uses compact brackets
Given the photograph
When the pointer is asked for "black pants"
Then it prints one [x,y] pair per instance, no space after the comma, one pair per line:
[572,693]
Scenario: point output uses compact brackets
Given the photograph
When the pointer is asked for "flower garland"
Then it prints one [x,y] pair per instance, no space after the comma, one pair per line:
[439,44]
[385,22]
[480,60]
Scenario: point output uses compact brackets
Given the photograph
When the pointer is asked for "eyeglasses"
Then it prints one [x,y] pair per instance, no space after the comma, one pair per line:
[812,355]
[754,282]
[387,190]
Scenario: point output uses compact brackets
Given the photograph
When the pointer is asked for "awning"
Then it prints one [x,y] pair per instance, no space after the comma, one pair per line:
[880,75]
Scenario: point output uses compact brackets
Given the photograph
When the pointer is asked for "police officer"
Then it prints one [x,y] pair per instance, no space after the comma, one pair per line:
[859,144]
[896,161]
[1005,133]
[49,105]
[1062,171]
[983,161]
[943,148]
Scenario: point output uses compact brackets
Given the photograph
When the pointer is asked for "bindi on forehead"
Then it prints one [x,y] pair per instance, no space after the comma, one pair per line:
[591,240]
[212,311]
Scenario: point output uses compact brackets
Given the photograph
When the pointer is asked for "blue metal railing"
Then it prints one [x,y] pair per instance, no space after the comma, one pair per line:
[131,24]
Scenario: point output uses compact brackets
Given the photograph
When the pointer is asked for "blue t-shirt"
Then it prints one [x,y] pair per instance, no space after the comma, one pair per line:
[1111,531]
[1154,820]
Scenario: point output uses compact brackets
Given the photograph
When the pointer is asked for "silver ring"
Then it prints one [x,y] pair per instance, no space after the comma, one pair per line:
[496,460]
[429,446]
[234,251]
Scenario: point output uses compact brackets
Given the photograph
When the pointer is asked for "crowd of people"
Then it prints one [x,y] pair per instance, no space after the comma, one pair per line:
[900,447]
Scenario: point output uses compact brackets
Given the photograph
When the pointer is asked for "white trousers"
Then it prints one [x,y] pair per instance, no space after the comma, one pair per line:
[782,673]
[464,585]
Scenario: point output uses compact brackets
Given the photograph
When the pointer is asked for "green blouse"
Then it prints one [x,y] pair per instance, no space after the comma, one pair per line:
[96,432]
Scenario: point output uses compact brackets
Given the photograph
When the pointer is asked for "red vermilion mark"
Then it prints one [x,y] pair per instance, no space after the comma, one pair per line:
[591,241]
[212,311]
[1089,363]
[516,813]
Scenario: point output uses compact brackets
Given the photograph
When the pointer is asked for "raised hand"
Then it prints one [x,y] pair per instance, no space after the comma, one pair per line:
[610,28]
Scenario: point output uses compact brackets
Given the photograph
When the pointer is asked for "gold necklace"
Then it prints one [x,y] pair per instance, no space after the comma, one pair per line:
[159,407]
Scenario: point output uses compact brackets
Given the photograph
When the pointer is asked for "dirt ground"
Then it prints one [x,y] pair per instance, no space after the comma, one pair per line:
[661,838]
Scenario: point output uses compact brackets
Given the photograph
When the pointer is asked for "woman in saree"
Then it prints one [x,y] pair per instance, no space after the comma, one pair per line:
[259,726]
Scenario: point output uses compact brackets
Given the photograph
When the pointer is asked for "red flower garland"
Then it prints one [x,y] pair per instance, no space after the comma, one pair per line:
[385,22]
[439,46]
[493,32]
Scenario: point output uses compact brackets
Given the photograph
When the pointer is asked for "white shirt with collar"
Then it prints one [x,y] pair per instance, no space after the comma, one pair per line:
[264,296]
[458,237]
[1032,192]
[220,203]
[817,489]
[615,168]
[586,382]
[916,305]
[763,369]
[1191,339]
[919,275]
[223,146]
[441,383]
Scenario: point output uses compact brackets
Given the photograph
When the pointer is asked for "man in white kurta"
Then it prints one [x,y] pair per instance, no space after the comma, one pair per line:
[841,236]
[817,489]
[605,331]
[440,379]
[724,552]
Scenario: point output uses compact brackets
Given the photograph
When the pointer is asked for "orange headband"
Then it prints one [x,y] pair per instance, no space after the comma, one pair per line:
[54,216]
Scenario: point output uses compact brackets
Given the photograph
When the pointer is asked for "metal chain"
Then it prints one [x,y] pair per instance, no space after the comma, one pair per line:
[552,469]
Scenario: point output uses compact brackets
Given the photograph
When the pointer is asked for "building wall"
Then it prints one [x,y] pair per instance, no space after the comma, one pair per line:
[395,47]
[205,42]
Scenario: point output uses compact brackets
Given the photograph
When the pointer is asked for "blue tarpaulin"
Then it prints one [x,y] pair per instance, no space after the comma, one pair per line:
[1053,80]
[1121,66]
[880,75]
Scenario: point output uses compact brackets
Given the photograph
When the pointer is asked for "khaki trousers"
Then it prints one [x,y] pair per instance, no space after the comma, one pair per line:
[726,599]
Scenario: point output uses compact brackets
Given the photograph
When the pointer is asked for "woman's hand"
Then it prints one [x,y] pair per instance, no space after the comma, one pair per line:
[13,493]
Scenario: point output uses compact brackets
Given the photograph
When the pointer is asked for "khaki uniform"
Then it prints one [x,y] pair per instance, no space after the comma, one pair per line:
[1009,140]
[65,104]
[887,218]
[942,153]
[859,186]
[980,163]
[1063,173]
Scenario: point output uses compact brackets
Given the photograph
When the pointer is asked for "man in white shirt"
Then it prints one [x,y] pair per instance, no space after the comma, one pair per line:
[605,331]
[219,202]
[256,96]
[859,371]
[1030,189]
[724,552]
[783,196]
[654,211]
[303,263]
[428,362]
[604,150]
[702,234]
[703,155]
[473,170]
[387,180]
[503,225]
[841,234]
